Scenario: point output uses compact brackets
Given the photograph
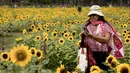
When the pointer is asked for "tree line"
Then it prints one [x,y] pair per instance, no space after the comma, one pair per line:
[66,2]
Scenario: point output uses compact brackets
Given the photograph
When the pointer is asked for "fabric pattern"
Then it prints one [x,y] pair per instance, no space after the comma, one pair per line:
[114,46]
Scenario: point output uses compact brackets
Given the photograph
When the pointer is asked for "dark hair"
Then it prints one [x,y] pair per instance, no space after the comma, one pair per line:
[101,18]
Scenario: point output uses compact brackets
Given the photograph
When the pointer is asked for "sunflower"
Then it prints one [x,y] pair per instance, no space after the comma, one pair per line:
[62,32]
[114,63]
[123,68]
[61,69]
[74,72]
[125,26]
[45,39]
[18,39]
[35,30]
[128,22]
[68,25]
[38,38]
[124,31]
[78,43]
[48,30]
[54,34]
[54,24]
[71,38]
[33,51]
[4,56]
[25,31]
[109,60]
[45,26]
[127,40]
[121,25]
[72,26]
[65,31]
[121,19]
[55,30]
[61,41]
[39,54]
[33,26]
[20,55]
[128,36]
[29,36]
[76,69]
[124,34]
[45,34]
[93,68]
[66,35]
[117,22]
[73,33]
[39,28]
[95,71]
[75,21]
[39,25]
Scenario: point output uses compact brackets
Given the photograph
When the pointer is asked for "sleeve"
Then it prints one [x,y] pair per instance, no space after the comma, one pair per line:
[107,28]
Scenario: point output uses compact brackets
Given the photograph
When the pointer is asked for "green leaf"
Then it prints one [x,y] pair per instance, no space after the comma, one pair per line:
[66,56]
[24,71]
[45,61]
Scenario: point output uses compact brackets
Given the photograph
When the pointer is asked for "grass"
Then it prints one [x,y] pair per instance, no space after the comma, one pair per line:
[9,41]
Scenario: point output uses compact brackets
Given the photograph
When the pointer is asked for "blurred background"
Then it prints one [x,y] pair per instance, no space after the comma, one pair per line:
[42,3]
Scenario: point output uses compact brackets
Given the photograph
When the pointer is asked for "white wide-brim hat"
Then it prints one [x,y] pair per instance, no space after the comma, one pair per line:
[95,9]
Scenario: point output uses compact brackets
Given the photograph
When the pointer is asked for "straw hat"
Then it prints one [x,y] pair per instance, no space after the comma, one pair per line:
[95,9]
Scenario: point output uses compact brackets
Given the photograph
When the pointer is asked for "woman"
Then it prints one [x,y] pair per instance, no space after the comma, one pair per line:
[100,39]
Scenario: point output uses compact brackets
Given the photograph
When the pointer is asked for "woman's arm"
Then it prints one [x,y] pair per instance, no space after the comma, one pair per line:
[104,39]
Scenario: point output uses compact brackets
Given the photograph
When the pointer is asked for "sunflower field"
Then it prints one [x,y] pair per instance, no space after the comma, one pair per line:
[49,39]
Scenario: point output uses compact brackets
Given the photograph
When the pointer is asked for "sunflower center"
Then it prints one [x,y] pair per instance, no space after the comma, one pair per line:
[94,69]
[45,40]
[123,34]
[32,26]
[5,56]
[21,55]
[110,60]
[54,34]
[113,64]
[37,37]
[73,33]
[124,31]
[127,40]
[121,25]
[66,35]
[61,41]
[70,38]
[38,54]
[124,70]
[63,71]
[32,51]
[38,28]
[62,33]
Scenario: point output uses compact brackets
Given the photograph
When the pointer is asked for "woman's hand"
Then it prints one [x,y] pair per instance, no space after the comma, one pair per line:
[82,32]
[90,35]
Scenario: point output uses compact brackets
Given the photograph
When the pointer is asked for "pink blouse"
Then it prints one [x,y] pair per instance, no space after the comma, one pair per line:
[100,31]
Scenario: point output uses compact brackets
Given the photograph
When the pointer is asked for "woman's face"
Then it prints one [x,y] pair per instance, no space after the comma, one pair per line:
[93,17]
